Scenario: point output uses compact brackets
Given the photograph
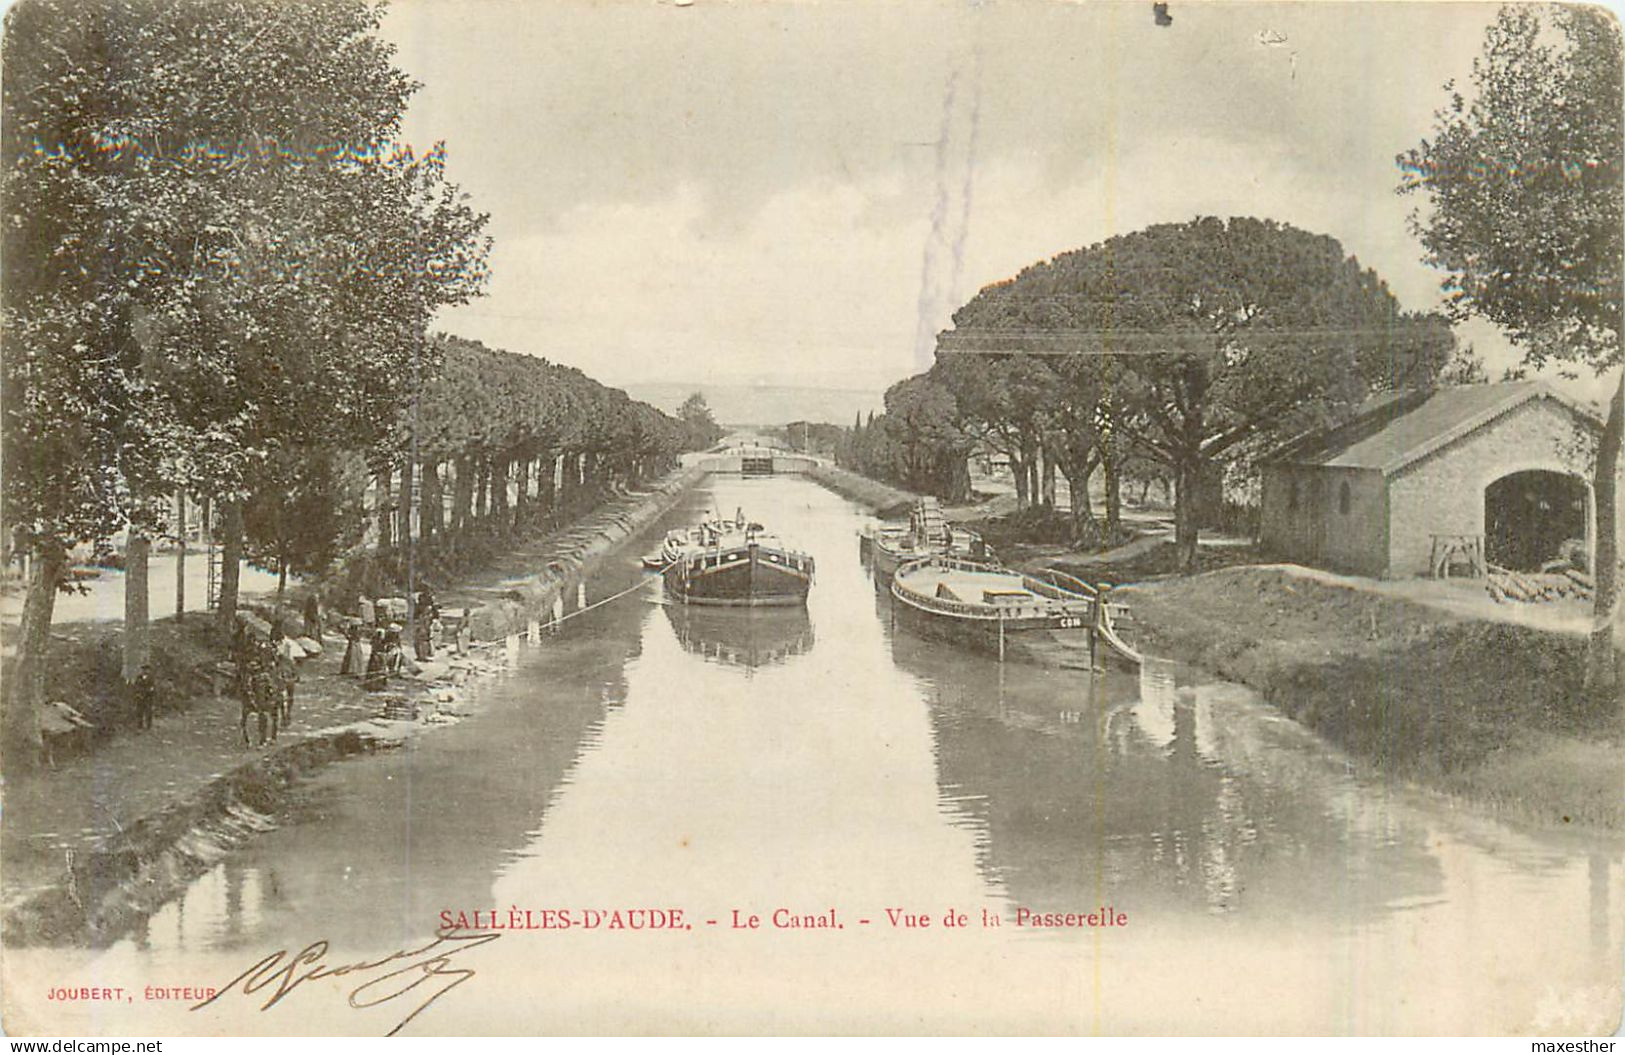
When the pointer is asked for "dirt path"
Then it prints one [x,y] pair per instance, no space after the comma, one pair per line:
[103,596]
[89,797]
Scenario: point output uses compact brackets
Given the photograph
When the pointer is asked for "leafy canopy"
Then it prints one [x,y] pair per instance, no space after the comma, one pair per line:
[1523,185]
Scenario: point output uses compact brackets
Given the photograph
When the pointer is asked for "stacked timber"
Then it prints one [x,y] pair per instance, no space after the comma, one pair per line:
[1506,586]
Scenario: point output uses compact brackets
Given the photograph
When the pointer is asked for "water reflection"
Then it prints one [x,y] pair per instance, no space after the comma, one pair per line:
[1163,788]
[747,637]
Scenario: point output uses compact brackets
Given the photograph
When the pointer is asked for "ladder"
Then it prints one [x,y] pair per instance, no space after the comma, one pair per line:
[211,558]
[930,525]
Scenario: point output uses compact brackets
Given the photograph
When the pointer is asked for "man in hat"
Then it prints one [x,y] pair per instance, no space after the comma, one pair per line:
[145,691]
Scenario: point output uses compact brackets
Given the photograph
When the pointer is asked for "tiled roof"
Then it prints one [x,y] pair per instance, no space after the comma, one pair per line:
[1399,430]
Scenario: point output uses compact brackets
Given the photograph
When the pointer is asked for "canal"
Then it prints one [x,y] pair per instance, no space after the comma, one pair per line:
[824,766]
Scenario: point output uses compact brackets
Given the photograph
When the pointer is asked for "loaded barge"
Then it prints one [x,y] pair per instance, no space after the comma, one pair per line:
[734,563]
[1047,617]
[928,533]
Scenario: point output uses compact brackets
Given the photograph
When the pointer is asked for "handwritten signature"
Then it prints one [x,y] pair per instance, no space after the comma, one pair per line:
[408,970]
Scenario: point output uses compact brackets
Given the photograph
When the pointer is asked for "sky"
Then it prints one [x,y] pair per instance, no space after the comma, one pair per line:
[706,191]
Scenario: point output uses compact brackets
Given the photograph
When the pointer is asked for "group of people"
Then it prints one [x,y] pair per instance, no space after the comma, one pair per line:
[428,628]
[385,655]
[267,674]
[383,658]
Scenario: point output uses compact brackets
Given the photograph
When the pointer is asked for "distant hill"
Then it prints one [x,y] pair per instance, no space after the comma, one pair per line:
[764,404]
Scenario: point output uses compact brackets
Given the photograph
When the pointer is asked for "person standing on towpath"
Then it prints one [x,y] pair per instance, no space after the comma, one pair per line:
[145,691]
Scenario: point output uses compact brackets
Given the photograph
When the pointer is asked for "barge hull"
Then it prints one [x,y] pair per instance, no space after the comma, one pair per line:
[740,578]
[1039,641]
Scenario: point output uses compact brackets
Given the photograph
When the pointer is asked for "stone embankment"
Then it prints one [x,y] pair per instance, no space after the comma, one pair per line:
[534,579]
[885,500]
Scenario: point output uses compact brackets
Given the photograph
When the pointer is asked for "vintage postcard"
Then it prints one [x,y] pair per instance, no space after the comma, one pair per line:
[756,517]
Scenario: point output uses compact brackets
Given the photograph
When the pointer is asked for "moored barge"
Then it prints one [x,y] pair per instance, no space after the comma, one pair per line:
[928,533]
[735,563]
[1048,618]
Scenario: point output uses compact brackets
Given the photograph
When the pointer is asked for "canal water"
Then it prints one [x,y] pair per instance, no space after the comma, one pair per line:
[826,767]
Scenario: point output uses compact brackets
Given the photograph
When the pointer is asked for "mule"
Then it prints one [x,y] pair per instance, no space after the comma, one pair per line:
[261,701]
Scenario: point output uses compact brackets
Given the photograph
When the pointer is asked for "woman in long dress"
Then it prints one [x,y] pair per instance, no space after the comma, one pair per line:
[377,663]
[352,649]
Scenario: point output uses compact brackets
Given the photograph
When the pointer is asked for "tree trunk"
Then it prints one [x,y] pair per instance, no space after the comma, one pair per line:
[180,556]
[499,493]
[1018,470]
[407,504]
[569,477]
[521,504]
[231,562]
[545,469]
[1081,510]
[431,517]
[1114,493]
[482,490]
[136,601]
[385,511]
[1187,490]
[958,477]
[1602,669]
[462,495]
[1047,479]
[47,566]
[281,580]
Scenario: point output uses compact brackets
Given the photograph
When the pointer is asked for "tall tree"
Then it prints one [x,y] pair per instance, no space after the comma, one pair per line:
[1224,336]
[209,227]
[1523,184]
[695,414]
[301,516]
[1002,399]
[931,448]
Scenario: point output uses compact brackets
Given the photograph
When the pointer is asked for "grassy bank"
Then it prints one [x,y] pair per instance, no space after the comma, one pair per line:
[1489,711]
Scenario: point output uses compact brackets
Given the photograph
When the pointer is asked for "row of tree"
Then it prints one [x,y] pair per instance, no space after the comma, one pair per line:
[500,422]
[490,443]
[221,267]
[1179,350]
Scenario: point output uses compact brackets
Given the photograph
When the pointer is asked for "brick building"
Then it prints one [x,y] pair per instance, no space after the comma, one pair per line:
[1508,464]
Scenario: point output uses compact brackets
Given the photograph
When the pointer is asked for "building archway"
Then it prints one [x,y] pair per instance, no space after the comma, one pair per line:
[1534,516]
